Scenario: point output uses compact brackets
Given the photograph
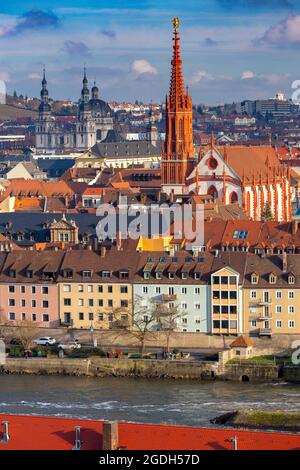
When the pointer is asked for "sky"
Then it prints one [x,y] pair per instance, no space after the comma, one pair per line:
[231,49]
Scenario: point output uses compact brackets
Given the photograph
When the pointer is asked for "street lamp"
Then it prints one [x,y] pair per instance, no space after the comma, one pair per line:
[93,339]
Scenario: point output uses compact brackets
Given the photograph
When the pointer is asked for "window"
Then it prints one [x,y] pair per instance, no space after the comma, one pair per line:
[216,280]
[279,295]
[171,291]
[91,302]
[253,294]
[23,289]
[80,288]
[184,321]
[197,306]
[33,316]
[146,275]
[253,323]
[90,289]
[45,304]
[278,309]
[124,303]
[12,316]
[11,289]
[81,302]
[124,274]
[100,303]
[197,290]
[124,289]
[100,317]
[67,302]
[81,316]
[233,295]
[11,302]
[291,295]
[67,288]
[110,303]
[110,289]
[23,303]
[45,317]
[292,323]
[33,289]
[254,278]
[91,316]
[291,309]
[291,279]
[184,290]
[158,275]
[23,316]
[171,276]
[86,274]
[45,290]
[278,324]
[272,279]
[106,274]
[184,275]
[157,290]
[240,235]
[145,290]
[100,289]
[184,305]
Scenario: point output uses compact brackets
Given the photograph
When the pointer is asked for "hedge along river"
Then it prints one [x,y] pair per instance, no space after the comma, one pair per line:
[140,400]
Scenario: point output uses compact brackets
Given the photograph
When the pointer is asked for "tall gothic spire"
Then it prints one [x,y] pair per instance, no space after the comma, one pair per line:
[85,94]
[176,85]
[44,105]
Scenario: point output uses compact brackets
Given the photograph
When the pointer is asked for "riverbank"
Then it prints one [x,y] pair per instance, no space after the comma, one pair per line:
[262,420]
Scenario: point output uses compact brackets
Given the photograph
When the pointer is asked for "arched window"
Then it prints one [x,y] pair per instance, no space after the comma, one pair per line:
[212,191]
[233,197]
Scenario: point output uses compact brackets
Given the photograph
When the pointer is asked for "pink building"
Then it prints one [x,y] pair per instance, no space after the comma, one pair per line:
[28,288]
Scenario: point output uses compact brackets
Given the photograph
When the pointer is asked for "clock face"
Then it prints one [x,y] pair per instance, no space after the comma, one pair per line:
[212,163]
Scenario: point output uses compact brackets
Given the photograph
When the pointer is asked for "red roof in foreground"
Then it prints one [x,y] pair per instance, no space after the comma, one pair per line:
[41,433]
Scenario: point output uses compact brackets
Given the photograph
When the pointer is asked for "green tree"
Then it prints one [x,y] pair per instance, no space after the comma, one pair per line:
[267,215]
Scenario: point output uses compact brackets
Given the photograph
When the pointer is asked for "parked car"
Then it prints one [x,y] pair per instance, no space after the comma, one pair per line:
[69,346]
[45,341]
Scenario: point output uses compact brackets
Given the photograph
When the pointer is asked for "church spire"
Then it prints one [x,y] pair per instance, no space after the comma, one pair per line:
[44,105]
[176,85]
[85,94]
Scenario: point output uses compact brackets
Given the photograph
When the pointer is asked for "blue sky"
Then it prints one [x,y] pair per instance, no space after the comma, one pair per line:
[232,49]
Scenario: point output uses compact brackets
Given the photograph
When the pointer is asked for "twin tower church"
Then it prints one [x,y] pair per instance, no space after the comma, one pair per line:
[251,176]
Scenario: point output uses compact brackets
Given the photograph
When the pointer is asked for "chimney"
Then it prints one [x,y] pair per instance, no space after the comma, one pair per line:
[119,241]
[110,436]
[95,244]
[103,251]
[284,262]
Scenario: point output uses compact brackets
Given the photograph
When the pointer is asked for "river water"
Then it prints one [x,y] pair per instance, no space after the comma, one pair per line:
[140,400]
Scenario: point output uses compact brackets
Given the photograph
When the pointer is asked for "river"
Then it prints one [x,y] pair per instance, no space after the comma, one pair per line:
[140,400]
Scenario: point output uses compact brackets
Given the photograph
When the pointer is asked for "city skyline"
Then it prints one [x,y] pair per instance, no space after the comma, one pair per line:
[232,50]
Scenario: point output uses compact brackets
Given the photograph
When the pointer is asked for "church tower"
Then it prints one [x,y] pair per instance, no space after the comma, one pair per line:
[44,125]
[178,155]
[85,127]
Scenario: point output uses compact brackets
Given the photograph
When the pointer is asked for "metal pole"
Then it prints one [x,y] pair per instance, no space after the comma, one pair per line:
[5,435]
[235,443]
[77,445]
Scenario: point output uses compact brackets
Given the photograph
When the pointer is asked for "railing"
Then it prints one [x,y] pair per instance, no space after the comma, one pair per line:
[66,323]
[260,302]
[265,332]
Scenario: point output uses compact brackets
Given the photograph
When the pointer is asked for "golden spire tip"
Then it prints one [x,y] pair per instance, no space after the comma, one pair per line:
[176,24]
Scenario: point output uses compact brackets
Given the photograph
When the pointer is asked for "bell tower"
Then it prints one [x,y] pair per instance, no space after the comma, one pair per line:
[178,155]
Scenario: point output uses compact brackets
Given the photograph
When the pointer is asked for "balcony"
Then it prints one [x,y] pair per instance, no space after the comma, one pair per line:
[167,297]
[259,302]
[265,332]
[67,323]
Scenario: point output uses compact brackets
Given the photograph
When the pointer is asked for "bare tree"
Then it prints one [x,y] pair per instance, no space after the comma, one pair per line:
[167,320]
[25,332]
[143,323]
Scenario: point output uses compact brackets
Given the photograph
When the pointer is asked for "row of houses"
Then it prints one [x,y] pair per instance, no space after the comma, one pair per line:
[222,293]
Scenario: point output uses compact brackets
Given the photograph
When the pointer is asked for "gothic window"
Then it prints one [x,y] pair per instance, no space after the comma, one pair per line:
[233,197]
[212,191]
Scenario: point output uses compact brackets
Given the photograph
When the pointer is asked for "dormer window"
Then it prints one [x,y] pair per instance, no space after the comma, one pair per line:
[106,274]
[171,275]
[29,273]
[87,274]
[272,278]
[254,278]
[184,275]
[68,273]
[291,279]
[146,275]
[12,273]
[159,275]
[124,274]
[197,276]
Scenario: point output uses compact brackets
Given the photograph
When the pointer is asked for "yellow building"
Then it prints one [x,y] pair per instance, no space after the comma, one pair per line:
[96,288]
[226,302]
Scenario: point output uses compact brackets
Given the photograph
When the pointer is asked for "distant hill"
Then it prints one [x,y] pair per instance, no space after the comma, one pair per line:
[12,112]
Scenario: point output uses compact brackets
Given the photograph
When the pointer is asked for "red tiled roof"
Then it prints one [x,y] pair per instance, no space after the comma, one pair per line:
[242,342]
[41,433]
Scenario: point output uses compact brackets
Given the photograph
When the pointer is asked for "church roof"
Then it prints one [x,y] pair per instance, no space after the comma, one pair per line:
[140,148]
[100,107]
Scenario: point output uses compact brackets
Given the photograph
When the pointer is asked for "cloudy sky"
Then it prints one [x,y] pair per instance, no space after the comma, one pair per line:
[232,49]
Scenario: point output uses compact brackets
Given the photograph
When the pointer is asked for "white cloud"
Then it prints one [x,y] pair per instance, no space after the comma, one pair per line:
[142,66]
[199,76]
[286,32]
[34,76]
[248,75]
